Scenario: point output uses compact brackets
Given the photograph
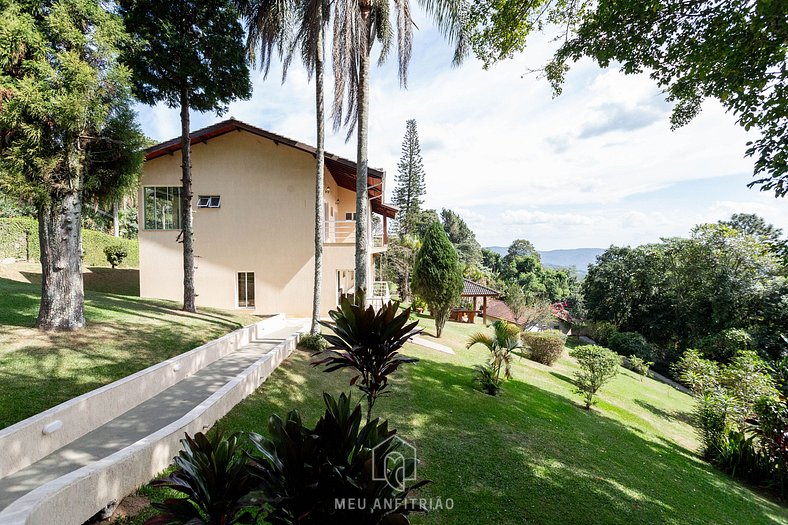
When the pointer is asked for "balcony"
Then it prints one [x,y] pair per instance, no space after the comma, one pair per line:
[344,232]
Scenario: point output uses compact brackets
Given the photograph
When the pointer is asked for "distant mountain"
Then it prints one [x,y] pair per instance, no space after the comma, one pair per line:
[580,258]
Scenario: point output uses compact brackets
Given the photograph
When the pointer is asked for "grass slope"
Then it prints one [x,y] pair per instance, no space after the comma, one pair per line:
[531,455]
[124,334]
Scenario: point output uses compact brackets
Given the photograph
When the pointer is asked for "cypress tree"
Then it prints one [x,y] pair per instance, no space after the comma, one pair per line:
[437,275]
[410,180]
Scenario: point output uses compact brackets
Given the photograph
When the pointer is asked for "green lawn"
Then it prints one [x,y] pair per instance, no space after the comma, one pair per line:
[532,455]
[124,334]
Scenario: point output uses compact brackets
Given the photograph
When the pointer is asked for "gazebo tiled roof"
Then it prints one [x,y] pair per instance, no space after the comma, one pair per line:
[472,289]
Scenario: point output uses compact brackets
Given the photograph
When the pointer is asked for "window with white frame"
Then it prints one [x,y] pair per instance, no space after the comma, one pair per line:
[246,289]
[209,201]
[162,207]
[350,216]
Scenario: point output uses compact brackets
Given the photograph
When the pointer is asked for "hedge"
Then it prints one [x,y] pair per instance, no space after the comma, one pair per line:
[19,240]
[546,347]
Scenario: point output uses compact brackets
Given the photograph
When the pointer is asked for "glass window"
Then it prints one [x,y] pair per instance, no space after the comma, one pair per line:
[209,201]
[162,208]
[246,289]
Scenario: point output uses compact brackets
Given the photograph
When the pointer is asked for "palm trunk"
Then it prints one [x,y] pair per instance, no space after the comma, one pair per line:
[60,236]
[362,191]
[115,220]
[319,175]
[186,207]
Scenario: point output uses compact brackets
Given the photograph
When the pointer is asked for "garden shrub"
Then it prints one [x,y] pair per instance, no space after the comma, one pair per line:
[602,332]
[724,345]
[598,365]
[638,365]
[545,347]
[115,254]
[313,342]
[631,343]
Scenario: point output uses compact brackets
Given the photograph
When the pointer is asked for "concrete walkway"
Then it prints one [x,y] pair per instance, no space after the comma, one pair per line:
[142,420]
[432,345]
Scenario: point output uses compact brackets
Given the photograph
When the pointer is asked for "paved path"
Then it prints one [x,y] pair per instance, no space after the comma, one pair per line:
[141,421]
[432,345]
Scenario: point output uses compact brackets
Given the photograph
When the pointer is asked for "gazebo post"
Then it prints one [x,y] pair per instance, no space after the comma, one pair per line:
[484,310]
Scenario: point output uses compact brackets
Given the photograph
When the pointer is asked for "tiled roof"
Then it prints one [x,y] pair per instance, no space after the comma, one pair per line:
[499,309]
[343,170]
[471,289]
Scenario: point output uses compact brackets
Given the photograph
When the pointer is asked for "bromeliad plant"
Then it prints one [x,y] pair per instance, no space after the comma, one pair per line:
[504,340]
[368,341]
[212,473]
[340,472]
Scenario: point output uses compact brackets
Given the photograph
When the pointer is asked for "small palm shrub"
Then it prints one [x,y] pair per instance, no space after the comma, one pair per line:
[545,347]
[212,473]
[598,365]
[504,340]
[487,378]
[368,342]
[631,343]
[740,456]
[639,365]
[115,253]
[313,342]
[304,472]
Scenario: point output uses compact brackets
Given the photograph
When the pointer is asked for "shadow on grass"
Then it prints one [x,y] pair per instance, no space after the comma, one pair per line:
[684,417]
[526,456]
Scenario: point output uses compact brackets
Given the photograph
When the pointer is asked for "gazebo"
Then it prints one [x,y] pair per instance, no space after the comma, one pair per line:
[476,290]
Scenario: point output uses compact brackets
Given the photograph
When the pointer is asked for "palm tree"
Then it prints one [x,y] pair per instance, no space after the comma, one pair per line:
[270,28]
[357,25]
[504,340]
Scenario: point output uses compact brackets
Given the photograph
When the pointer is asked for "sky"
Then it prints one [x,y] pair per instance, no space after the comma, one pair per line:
[596,166]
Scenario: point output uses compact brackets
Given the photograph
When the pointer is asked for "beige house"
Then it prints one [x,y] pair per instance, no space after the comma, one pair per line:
[254,222]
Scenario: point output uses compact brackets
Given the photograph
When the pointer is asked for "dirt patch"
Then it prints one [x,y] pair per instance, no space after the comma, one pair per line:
[130,507]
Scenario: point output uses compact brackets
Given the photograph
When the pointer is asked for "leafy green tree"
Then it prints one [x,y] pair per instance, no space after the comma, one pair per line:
[187,54]
[463,239]
[763,232]
[437,275]
[598,365]
[491,260]
[423,221]
[67,133]
[270,28]
[410,180]
[400,258]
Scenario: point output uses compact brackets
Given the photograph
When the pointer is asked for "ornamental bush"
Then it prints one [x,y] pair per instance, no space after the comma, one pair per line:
[437,275]
[545,347]
[602,332]
[115,254]
[598,365]
[631,343]
[724,345]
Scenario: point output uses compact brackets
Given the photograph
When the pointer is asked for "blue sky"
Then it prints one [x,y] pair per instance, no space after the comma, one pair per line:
[595,166]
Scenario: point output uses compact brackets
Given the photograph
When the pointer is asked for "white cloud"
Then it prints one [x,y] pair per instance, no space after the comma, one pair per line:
[516,163]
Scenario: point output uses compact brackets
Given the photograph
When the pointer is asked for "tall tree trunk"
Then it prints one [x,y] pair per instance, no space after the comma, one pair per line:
[319,175]
[60,236]
[115,220]
[186,207]
[362,156]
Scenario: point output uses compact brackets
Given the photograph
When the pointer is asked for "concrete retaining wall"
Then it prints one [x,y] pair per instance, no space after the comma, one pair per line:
[79,495]
[26,442]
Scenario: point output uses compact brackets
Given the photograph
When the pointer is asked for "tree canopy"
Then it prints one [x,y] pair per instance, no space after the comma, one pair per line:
[731,50]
